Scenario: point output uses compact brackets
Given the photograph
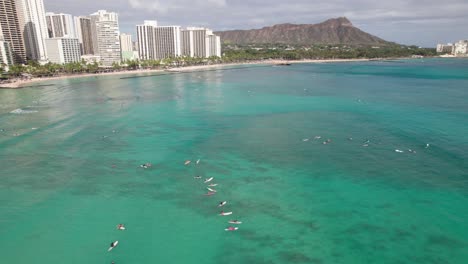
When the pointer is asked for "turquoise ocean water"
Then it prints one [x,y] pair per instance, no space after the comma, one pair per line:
[67,183]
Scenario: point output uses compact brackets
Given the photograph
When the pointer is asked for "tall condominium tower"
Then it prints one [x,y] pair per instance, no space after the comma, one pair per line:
[60,25]
[107,36]
[84,35]
[126,47]
[158,42]
[6,54]
[63,50]
[11,27]
[200,42]
[35,29]
[145,40]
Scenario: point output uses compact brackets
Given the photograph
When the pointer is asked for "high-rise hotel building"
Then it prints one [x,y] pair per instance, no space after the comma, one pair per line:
[11,27]
[60,25]
[63,50]
[6,53]
[35,29]
[84,35]
[158,42]
[105,30]
[200,42]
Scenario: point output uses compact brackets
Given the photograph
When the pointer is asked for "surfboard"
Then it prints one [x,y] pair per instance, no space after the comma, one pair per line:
[226,213]
[115,244]
[209,179]
[234,229]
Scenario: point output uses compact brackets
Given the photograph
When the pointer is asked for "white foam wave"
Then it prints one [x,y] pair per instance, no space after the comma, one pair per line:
[22,111]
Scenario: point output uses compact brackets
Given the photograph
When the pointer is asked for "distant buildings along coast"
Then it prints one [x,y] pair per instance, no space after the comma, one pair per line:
[459,49]
[28,32]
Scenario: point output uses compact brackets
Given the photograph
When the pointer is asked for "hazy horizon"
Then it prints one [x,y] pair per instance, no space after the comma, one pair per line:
[405,22]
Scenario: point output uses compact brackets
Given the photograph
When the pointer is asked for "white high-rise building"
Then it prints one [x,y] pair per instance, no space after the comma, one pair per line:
[200,42]
[12,26]
[63,50]
[60,25]
[126,42]
[461,48]
[158,42]
[445,48]
[145,40]
[126,47]
[35,29]
[100,15]
[213,47]
[105,30]
[6,54]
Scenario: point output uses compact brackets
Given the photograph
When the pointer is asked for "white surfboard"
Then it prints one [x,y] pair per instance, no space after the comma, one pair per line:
[211,190]
[222,203]
[235,222]
[232,229]
[225,213]
[115,244]
[209,179]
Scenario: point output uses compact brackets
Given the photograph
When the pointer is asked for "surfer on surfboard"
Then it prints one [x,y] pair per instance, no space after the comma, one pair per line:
[113,245]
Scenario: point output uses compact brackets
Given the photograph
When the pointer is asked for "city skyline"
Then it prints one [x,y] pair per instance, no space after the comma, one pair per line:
[404,22]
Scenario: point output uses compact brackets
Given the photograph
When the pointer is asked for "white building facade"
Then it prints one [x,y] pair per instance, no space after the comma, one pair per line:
[126,47]
[6,54]
[461,48]
[35,29]
[12,26]
[445,48]
[200,42]
[63,50]
[145,41]
[107,36]
[60,25]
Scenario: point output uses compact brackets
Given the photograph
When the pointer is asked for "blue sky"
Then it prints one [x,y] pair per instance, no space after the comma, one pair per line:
[422,22]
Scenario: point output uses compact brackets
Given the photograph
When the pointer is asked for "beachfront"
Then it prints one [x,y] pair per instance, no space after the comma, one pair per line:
[21,82]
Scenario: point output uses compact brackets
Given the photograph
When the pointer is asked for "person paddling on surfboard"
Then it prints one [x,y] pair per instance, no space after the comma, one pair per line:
[113,245]
[120,227]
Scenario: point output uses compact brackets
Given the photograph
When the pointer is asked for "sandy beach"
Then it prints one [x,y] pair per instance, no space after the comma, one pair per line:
[23,83]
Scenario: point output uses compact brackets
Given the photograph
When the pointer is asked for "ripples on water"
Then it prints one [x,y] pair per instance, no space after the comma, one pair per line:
[66,183]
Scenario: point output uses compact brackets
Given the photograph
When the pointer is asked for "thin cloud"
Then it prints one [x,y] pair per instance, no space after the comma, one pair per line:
[386,19]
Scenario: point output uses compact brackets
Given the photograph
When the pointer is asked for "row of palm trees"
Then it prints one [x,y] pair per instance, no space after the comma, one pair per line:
[34,69]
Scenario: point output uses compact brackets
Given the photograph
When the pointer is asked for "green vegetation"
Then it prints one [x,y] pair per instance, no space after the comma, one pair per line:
[287,52]
[232,54]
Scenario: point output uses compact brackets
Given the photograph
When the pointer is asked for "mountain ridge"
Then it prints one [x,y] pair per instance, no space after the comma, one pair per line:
[332,31]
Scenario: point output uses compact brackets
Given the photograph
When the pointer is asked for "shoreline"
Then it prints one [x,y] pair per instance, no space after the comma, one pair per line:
[18,84]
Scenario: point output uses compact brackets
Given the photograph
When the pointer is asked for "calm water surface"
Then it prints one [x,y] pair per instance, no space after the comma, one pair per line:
[70,156]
